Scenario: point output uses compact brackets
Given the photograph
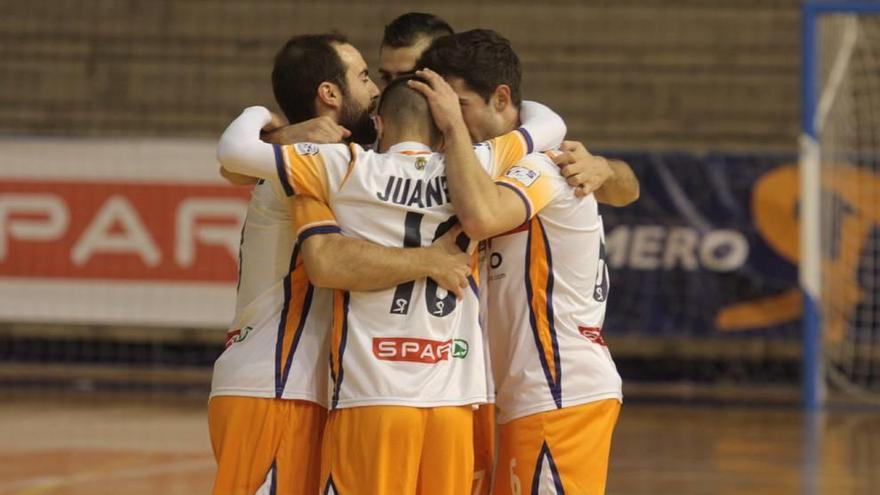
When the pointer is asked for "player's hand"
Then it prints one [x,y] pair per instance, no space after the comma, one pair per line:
[320,130]
[276,122]
[583,171]
[238,179]
[448,264]
[442,100]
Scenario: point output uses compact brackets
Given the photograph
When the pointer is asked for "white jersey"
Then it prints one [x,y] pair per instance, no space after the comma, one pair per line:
[547,290]
[277,344]
[415,344]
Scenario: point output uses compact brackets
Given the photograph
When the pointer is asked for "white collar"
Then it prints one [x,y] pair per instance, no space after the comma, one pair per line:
[409,146]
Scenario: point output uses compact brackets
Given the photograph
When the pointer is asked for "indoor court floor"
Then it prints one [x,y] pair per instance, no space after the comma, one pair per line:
[125,444]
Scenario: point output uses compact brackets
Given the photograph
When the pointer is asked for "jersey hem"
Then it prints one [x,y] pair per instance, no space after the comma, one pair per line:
[395,401]
[264,394]
[551,406]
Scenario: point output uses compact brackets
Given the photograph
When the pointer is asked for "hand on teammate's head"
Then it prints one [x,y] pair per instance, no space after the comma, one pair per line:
[442,99]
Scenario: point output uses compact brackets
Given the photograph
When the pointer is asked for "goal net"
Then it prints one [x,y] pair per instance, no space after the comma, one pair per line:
[841,199]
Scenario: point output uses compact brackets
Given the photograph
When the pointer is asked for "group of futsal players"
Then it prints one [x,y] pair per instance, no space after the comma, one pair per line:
[416,265]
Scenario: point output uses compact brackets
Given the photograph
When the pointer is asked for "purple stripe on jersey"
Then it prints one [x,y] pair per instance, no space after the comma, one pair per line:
[282,170]
[474,287]
[307,304]
[551,315]
[530,144]
[240,245]
[321,229]
[342,341]
[522,196]
[282,325]
[554,385]
[554,471]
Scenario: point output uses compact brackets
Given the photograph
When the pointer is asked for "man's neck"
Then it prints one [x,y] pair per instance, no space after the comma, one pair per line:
[510,120]
[389,139]
[325,111]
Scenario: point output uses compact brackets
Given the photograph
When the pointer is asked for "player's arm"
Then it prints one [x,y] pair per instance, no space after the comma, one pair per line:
[483,208]
[237,179]
[335,261]
[611,181]
[241,151]
[339,261]
[244,154]
[543,128]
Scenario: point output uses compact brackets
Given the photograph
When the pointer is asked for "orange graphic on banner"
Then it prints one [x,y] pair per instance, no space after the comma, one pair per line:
[853,212]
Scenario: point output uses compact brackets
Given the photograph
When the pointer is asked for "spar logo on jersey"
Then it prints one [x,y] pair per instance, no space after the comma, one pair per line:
[593,334]
[237,335]
[306,148]
[419,350]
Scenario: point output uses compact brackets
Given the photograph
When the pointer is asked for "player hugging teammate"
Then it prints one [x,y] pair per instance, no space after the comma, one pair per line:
[371,337]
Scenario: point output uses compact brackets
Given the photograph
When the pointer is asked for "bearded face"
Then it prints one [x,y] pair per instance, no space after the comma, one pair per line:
[358,118]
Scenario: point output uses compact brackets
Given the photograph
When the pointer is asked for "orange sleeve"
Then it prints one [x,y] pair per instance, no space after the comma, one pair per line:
[537,181]
[507,150]
[303,168]
[312,216]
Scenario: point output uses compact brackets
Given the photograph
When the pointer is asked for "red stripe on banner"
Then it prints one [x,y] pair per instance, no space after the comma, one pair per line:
[120,230]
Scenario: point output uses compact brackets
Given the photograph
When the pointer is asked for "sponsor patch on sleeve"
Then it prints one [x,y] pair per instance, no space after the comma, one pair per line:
[306,148]
[523,175]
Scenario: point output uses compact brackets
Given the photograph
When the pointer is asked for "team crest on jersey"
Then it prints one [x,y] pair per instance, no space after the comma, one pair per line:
[238,335]
[421,162]
[523,175]
[306,148]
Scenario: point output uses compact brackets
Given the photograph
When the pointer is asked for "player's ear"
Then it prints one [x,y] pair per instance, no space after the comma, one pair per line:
[380,126]
[501,98]
[330,95]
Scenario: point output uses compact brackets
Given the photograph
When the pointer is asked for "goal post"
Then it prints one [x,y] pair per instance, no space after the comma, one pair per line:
[839,162]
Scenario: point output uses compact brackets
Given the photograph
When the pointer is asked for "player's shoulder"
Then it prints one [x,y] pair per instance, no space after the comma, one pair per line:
[540,162]
[307,149]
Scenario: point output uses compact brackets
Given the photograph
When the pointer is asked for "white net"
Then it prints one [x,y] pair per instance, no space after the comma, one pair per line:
[848,120]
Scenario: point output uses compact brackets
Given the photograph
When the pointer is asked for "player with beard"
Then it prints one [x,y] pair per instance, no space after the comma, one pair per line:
[268,399]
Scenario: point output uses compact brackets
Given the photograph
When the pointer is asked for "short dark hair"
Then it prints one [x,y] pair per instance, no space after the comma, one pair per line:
[481,57]
[302,64]
[406,106]
[408,28]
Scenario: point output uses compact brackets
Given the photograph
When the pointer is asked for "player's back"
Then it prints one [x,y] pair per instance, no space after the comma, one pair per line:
[547,293]
[267,242]
[413,344]
[253,363]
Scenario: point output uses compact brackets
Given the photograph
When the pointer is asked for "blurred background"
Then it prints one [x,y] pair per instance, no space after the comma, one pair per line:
[119,241]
